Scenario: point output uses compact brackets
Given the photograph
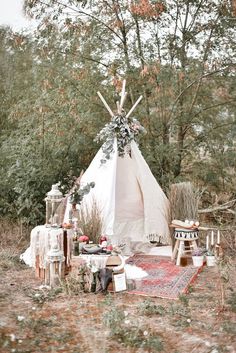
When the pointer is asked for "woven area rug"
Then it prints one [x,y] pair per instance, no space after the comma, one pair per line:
[164,280]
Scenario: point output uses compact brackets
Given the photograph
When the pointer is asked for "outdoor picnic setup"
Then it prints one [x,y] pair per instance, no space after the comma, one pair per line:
[143,243]
[117,176]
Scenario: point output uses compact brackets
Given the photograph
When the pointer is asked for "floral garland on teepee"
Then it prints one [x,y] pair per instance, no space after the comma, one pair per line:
[124,130]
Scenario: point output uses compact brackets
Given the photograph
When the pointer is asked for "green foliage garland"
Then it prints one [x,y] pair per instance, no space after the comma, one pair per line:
[78,193]
[124,130]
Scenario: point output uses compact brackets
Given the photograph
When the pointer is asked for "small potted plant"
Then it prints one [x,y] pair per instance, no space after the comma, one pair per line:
[198,257]
[210,258]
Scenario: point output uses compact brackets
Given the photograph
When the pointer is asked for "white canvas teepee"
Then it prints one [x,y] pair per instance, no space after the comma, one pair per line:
[131,202]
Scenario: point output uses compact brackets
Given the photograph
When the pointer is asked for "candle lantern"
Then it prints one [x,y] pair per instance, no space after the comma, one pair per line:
[53,199]
[54,266]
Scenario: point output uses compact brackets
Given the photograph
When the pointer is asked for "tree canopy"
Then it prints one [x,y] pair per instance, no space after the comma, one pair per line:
[180,55]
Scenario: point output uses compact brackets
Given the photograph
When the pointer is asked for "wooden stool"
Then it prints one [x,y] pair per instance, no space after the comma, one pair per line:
[182,236]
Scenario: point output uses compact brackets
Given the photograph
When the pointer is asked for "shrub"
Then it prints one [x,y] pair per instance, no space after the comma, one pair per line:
[148,307]
[127,333]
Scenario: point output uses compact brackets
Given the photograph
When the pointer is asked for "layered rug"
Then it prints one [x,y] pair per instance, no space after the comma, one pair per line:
[164,280]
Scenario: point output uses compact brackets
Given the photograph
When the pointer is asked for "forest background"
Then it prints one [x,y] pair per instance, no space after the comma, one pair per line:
[180,55]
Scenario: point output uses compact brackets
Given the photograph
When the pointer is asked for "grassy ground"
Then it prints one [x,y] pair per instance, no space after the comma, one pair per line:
[35,319]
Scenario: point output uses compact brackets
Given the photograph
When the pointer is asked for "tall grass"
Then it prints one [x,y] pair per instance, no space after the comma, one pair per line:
[90,221]
[13,234]
[14,239]
[9,259]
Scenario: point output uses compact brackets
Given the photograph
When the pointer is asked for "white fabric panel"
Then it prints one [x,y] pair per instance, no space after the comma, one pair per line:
[96,262]
[103,193]
[129,212]
[129,200]
[26,257]
[128,231]
[42,239]
[156,204]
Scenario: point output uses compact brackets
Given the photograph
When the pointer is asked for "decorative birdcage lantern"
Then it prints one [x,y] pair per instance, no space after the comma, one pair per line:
[53,199]
[54,266]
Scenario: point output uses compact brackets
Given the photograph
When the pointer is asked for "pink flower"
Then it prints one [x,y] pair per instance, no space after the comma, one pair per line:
[84,238]
[103,238]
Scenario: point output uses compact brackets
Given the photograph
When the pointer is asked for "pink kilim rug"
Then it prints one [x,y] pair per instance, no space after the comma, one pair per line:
[165,279]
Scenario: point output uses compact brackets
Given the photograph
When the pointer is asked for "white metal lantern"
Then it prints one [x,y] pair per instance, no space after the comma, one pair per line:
[53,199]
[54,266]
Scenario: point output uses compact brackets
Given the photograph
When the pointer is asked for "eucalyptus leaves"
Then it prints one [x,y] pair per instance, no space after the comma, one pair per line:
[124,130]
[78,193]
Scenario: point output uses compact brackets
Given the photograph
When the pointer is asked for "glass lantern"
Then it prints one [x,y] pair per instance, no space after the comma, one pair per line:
[53,199]
[54,266]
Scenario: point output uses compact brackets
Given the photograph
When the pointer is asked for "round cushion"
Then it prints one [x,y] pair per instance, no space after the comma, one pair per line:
[186,234]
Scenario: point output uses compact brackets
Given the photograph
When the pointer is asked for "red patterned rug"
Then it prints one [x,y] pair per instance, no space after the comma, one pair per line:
[165,279]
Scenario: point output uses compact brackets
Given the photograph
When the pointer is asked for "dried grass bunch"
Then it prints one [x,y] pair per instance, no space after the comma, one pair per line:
[90,221]
[184,199]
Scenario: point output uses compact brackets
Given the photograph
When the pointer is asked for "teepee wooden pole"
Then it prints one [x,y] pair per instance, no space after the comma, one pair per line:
[118,107]
[122,91]
[105,103]
[123,100]
[134,106]
[123,95]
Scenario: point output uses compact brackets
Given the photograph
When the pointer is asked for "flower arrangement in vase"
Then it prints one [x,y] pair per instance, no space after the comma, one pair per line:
[198,257]
[210,258]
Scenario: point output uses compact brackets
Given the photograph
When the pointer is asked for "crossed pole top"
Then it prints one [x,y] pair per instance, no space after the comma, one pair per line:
[121,103]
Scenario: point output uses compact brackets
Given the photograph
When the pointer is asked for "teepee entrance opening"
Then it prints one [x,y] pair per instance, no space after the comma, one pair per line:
[129,207]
